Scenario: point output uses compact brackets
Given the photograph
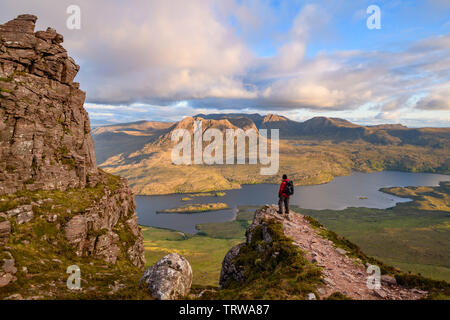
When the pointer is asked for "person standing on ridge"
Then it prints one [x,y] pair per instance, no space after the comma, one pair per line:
[286,190]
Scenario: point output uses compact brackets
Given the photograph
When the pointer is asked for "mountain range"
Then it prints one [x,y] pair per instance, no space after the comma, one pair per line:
[329,147]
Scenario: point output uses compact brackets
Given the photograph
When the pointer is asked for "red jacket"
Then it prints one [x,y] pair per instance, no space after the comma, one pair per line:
[282,188]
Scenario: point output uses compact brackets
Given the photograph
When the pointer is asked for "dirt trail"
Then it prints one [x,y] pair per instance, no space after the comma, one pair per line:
[340,272]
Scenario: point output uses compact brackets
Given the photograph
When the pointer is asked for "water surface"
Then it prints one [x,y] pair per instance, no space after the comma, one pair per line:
[341,193]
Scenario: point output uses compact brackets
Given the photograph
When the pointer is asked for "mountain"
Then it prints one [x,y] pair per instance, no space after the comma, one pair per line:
[127,138]
[311,152]
[57,208]
[334,129]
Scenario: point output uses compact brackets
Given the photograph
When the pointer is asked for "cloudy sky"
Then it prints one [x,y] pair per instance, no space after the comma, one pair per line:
[163,60]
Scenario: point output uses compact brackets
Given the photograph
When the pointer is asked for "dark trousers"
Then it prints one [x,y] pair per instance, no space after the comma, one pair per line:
[285,201]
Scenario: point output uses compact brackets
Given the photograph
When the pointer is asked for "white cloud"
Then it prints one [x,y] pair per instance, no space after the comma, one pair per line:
[158,53]
[437,99]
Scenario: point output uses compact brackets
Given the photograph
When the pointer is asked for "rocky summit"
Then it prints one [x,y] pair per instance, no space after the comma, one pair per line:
[56,207]
[45,140]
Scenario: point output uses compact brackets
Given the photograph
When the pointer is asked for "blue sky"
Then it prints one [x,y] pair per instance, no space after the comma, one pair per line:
[164,60]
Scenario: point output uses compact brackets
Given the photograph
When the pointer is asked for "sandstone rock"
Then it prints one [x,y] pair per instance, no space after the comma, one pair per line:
[341,251]
[45,130]
[24,217]
[25,209]
[170,278]
[9,266]
[106,247]
[5,279]
[5,231]
[388,280]
[380,294]
[76,232]
[81,230]
[229,270]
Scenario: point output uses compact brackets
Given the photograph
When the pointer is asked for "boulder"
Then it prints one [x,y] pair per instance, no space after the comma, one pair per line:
[170,278]
[311,296]
[5,279]
[388,280]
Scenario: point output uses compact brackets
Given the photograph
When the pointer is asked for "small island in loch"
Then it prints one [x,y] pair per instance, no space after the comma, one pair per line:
[196,208]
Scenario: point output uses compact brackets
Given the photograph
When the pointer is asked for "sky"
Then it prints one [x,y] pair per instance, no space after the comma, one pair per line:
[165,60]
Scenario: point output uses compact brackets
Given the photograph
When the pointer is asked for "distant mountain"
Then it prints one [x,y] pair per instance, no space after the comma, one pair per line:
[126,138]
[323,128]
[311,152]
[130,137]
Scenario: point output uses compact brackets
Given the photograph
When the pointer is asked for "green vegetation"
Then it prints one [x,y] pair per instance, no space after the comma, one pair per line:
[5,90]
[231,229]
[272,271]
[412,236]
[408,241]
[208,194]
[42,253]
[204,251]
[194,208]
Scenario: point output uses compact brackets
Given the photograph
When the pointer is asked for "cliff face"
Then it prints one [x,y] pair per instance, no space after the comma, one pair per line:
[55,204]
[45,140]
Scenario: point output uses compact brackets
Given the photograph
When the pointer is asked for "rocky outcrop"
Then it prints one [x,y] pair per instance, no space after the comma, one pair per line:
[170,278]
[45,144]
[340,272]
[45,140]
[229,271]
[95,232]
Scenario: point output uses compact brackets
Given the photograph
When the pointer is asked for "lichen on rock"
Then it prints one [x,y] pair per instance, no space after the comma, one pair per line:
[170,278]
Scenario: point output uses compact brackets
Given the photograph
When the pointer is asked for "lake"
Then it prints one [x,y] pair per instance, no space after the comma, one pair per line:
[338,194]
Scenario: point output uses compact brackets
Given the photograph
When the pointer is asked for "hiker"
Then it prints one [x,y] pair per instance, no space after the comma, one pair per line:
[286,190]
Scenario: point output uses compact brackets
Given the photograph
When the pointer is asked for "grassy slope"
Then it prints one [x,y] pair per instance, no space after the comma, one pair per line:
[41,248]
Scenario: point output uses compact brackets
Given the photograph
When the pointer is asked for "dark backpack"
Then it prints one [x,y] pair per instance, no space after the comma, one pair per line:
[289,188]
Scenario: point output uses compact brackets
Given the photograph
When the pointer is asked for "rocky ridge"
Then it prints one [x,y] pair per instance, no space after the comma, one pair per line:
[340,272]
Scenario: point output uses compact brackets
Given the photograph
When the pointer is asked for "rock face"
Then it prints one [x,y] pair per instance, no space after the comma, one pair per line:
[229,270]
[45,144]
[45,140]
[94,231]
[170,278]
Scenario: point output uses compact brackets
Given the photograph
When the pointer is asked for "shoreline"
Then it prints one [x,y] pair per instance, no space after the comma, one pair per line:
[273,184]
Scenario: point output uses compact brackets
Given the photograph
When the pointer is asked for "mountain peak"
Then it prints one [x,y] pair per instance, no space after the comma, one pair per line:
[274,118]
